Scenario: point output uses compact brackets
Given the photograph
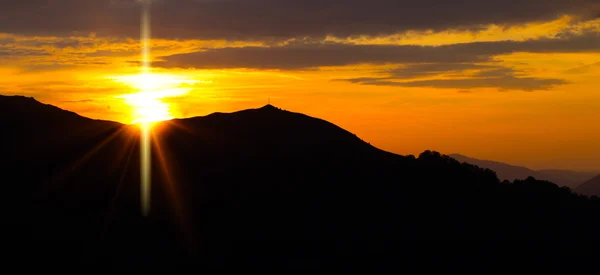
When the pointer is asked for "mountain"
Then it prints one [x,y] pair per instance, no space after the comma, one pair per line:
[258,190]
[569,178]
[509,172]
[590,187]
[38,140]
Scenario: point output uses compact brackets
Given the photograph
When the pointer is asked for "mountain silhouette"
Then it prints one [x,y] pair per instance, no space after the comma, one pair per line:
[567,178]
[590,187]
[256,190]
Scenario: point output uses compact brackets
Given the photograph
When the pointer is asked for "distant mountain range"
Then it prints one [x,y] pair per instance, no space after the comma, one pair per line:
[590,187]
[255,190]
[567,178]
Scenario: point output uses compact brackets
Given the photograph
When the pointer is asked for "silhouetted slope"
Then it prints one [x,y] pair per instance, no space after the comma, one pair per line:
[509,172]
[53,159]
[590,187]
[31,130]
[30,127]
[237,185]
[28,118]
[28,109]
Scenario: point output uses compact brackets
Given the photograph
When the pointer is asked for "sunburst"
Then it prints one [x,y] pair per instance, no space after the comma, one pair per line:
[151,89]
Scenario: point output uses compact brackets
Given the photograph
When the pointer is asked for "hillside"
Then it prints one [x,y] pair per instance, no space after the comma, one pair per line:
[590,187]
[567,178]
[227,186]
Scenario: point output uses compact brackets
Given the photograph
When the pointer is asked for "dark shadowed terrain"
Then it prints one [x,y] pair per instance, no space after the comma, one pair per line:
[266,190]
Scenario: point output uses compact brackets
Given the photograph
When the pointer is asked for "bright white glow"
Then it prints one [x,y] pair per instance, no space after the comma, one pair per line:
[161,85]
[148,103]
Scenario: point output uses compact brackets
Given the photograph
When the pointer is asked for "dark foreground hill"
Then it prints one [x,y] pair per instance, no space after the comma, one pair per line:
[261,190]
[567,178]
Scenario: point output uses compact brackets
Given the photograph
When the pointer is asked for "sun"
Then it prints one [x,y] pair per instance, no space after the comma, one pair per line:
[148,108]
[152,88]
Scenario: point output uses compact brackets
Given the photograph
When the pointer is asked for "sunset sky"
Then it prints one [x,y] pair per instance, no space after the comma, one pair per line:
[516,81]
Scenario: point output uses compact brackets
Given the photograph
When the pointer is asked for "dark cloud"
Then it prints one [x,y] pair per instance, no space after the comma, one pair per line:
[313,55]
[113,53]
[433,69]
[6,41]
[277,19]
[63,43]
[412,71]
[496,72]
[305,56]
[449,69]
[502,83]
[583,69]
[417,61]
[16,53]
[486,77]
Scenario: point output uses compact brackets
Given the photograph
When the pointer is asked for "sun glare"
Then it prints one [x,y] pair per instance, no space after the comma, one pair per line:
[149,108]
[148,103]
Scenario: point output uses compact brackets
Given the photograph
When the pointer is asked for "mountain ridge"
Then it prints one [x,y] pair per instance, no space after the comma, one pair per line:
[590,187]
[21,105]
[510,172]
[252,177]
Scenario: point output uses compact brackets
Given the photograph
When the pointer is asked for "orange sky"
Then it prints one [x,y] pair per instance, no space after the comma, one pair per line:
[535,103]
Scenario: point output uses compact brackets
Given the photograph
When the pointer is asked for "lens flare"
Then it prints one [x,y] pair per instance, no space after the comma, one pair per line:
[144,114]
[151,88]
[145,146]
[146,166]
[148,104]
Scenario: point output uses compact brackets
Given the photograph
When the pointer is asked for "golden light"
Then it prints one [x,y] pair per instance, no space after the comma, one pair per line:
[147,101]
[148,105]
[145,144]
[145,167]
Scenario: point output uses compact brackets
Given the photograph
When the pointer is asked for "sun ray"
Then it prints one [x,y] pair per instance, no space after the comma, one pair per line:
[173,193]
[146,167]
[130,145]
[151,88]
[145,145]
[179,126]
[82,160]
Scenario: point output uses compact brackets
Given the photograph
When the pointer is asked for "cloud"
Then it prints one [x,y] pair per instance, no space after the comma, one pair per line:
[433,69]
[313,55]
[583,69]
[277,19]
[487,77]
[16,53]
[5,41]
[52,52]
[502,83]
[66,25]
